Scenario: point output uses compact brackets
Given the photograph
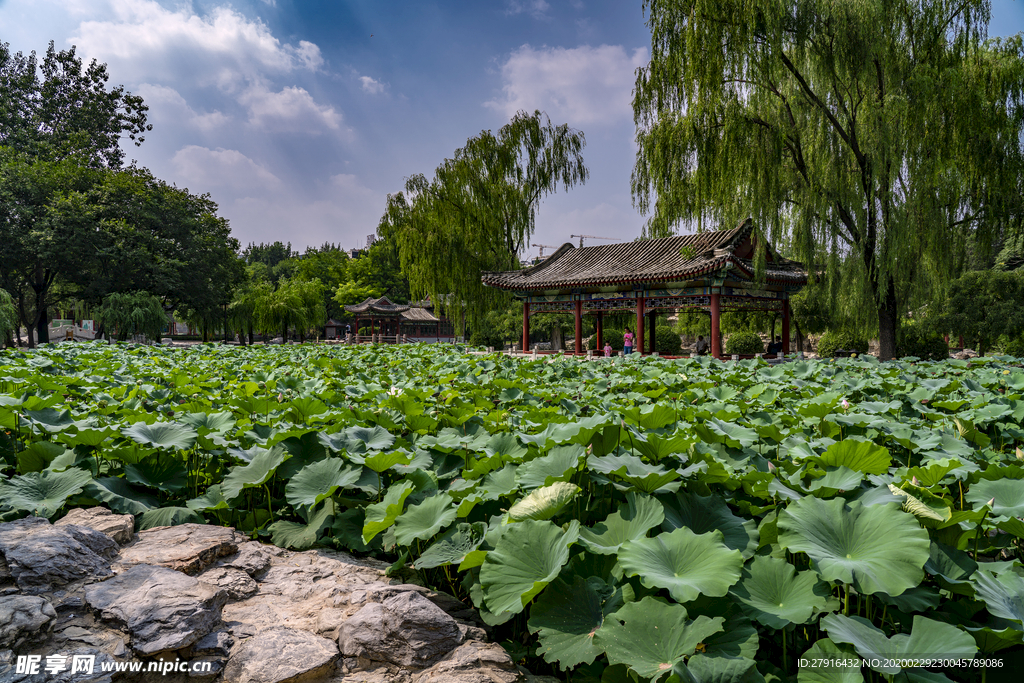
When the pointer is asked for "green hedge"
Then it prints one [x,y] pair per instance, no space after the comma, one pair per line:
[831,342]
[1014,347]
[667,342]
[911,340]
[744,343]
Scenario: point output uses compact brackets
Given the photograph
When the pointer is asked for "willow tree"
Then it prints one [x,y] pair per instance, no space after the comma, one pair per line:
[479,210]
[872,136]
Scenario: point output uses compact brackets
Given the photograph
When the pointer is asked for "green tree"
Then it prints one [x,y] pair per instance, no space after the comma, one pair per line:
[295,304]
[874,136]
[983,305]
[126,314]
[63,108]
[478,211]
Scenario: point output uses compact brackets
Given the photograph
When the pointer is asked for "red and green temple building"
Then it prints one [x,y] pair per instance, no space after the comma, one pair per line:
[711,271]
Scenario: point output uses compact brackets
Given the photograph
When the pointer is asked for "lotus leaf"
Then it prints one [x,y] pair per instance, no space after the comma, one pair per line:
[319,480]
[775,594]
[1007,493]
[162,435]
[685,563]
[423,521]
[545,502]
[256,473]
[169,516]
[526,558]
[453,546]
[877,548]
[928,639]
[382,515]
[701,514]
[43,493]
[567,615]
[651,637]
[640,514]
[120,496]
[826,663]
[1003,593]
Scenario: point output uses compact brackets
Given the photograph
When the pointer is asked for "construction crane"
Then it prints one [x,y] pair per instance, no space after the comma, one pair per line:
[595,237]
[545,246]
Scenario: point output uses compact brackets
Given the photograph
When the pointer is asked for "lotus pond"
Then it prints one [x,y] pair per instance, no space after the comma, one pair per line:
[613,520]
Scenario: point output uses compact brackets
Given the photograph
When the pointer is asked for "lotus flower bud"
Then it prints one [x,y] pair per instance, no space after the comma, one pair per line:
[771,467]
[845,404]
[914,481]
[990,502]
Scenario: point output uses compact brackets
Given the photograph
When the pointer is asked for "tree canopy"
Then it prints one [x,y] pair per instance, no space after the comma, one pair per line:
[873,138]
[479,210]
[982,306]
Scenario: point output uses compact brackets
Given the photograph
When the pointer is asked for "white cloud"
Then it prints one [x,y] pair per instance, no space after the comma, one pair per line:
[374,87]
[151,42]
[167,104]
[204,170]
[535,8]
[580,86]
[290,110]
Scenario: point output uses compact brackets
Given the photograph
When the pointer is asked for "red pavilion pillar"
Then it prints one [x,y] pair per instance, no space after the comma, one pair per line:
[785,326]
[651,347]
[600,332]
[579,327]
[640,324]
[526,326]
[716,313]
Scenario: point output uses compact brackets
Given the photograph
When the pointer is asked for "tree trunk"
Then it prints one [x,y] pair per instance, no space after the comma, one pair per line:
[888,320]
[25,321]
[206,332]
[284,334]
[250,333]
[556,337]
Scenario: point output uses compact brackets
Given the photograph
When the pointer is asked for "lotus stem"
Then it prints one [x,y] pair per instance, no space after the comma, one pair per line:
[846,605]
[269,508]
[979,531]
[785,657]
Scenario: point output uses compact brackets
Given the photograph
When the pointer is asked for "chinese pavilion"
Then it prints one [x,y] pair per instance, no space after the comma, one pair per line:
[713,271]
[388,318]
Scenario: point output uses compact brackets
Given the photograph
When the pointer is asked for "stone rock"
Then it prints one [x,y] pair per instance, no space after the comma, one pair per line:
[161,608]
[251,559]
[472,662]
[24,617]
[120,528]
[281,655]
[217,644]
[406,629]
[237,583]
[40,556]
[188,548]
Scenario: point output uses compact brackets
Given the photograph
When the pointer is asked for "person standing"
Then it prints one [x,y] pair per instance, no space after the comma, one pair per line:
[702,346]
[627,342]
[607,350]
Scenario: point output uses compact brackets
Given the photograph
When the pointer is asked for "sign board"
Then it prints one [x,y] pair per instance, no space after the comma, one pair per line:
[87,326]
[60,322]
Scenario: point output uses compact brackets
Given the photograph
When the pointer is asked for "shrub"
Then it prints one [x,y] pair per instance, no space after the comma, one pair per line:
[667,342]
[613,337]
[1014,347]
[744,343]
[913,340]
[832,341]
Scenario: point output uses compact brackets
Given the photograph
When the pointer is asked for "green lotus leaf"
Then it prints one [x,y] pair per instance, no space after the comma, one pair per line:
[877,548]
[651,637]
[687,564]
[775,594]
[837,479]
[38,455]
[916,599]
[43,493]
[504,443]
[702,514]
[162,435]
[526,558]
[212,499]
[423,521]
[567,615]
[206,423]
[708,669]
[640,514]
[732,432]
[933,472]
[1008,495]
[1002,593]
[558,465]
[87,436]
[319,480]
[645,477]
[737,639]
[385,460]
[169,516]
[857,455]
[50,419]
[363,439]
[347,529]
[161,472]
[452,546]
[951,567]
[923,504]
[928,639]
[382,515]
[544,503]
[301,536]
[826,663]
[991,639]
[118,494]
[256,473]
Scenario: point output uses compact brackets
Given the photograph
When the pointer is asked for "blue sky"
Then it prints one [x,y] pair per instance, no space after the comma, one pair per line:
[299,117]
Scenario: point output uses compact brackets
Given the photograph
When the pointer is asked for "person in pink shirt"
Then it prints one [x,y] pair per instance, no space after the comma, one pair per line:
[607,350]
[627,342]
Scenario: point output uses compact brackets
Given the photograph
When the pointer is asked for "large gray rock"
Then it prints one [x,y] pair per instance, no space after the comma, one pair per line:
[188,548]
[406,629]
[24,617]
[252,558]
[472,662]
[281,655]
[120,528]
[162,609]
[40,556]
[235,582]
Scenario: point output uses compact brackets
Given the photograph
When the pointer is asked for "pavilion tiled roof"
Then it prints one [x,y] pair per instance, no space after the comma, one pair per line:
[416,314]
[646,261]
[381,305]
